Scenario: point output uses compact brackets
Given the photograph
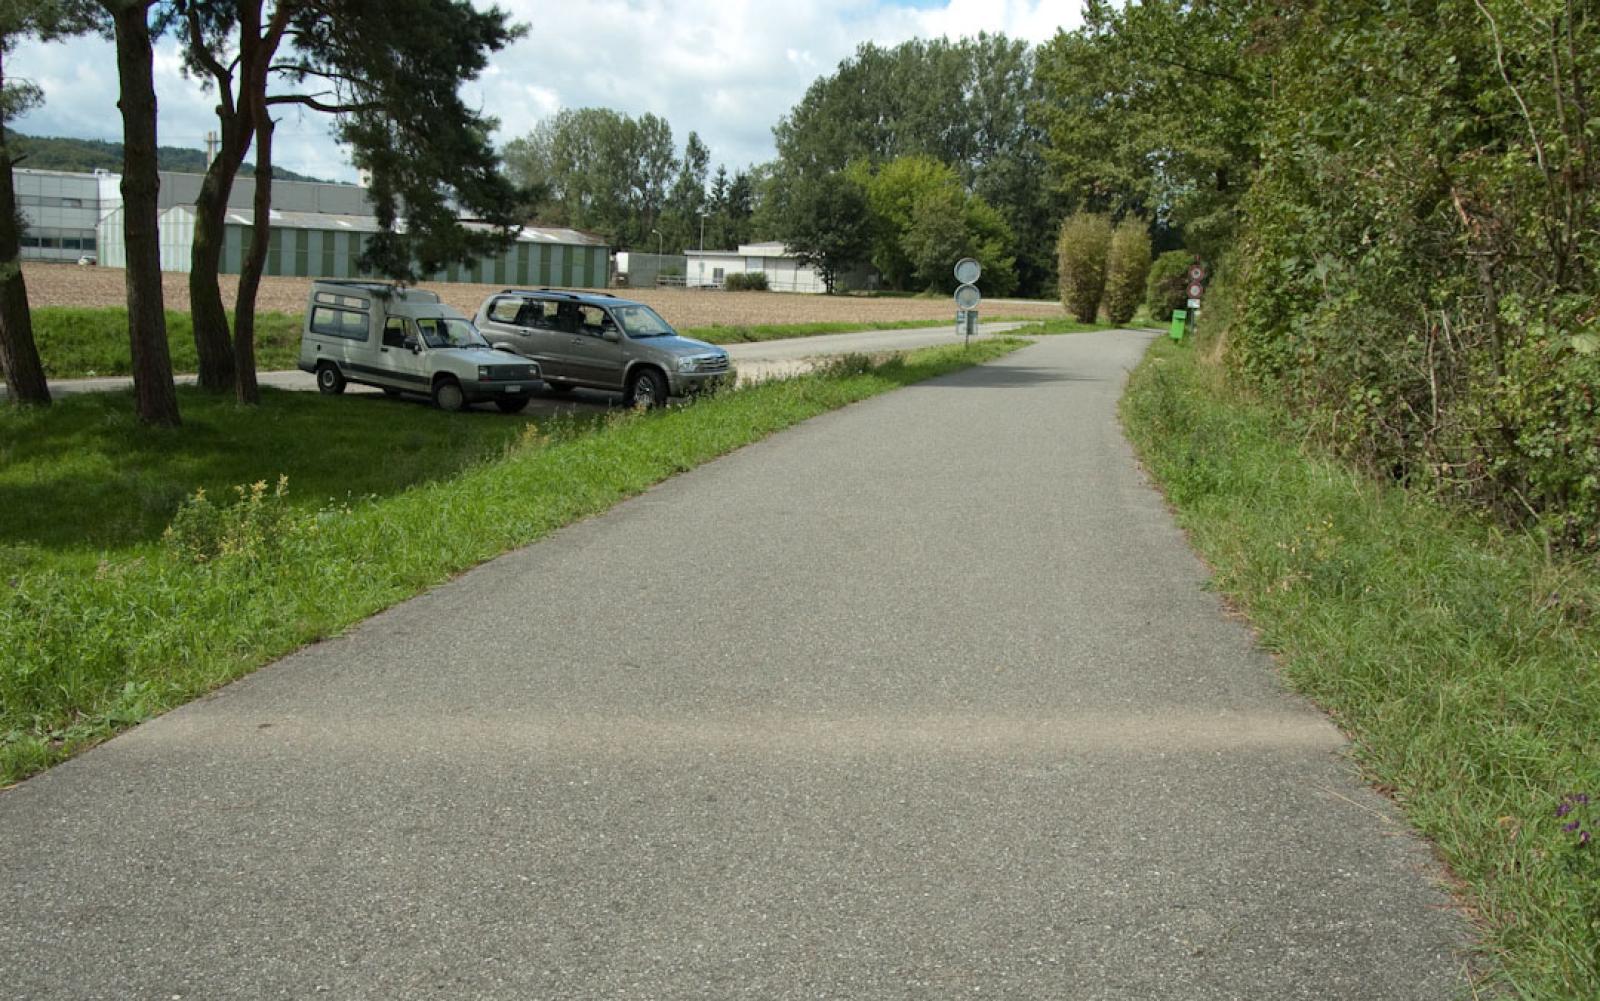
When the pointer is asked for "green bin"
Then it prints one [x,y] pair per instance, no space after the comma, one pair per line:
[1178,318]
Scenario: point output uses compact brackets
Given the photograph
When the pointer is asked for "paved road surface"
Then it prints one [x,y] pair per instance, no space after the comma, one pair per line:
[921,699]
[755,362]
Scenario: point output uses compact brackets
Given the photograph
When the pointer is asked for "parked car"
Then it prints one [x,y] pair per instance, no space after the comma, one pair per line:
[600,341]
[88,260]
[404,340]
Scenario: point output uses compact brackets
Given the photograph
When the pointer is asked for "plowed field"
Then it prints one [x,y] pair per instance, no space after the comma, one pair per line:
[71,285]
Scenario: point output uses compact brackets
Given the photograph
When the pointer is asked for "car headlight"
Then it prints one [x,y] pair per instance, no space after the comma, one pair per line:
[688,364]
[484,374]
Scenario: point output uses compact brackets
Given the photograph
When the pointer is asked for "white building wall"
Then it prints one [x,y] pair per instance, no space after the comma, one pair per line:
[176,228]
[60,212]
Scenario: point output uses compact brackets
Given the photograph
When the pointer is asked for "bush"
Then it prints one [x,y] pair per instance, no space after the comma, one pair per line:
[1126,269]
[746,281]
[1081,252]
[1168,286]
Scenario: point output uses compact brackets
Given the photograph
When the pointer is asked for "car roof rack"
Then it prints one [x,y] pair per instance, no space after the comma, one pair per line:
[556,291]
[385,289]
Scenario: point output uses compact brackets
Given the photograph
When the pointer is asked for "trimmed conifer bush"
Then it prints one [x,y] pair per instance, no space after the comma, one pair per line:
[1167,287]
[1126,269]
[1081,253]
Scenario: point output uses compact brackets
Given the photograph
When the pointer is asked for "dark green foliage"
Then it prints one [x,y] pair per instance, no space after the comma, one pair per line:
[89,155]
[962,105]
[1126,268]
[1167,287]
[827,226]
[1082,252]
[743,281]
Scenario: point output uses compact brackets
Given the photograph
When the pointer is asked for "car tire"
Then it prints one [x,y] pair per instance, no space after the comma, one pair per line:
[330,380]
[511,404]
[448,396]
[646,388]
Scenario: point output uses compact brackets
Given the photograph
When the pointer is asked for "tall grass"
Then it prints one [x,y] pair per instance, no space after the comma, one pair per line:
[244,577]
[1464,664]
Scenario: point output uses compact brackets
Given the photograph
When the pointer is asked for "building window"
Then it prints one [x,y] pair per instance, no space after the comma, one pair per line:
[716,275]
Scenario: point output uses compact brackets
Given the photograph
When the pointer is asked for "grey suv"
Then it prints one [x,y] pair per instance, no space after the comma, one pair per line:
[599,341]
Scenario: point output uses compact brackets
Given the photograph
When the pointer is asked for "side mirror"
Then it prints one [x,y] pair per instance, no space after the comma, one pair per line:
[609,332]
[413,345]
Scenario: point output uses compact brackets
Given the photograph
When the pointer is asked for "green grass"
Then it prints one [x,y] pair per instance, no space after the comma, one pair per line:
[1066,325]
[1464,664]
[78,343]
[145,623]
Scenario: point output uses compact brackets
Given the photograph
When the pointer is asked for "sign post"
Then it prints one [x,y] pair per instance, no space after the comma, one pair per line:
[1197,288]
[967,298]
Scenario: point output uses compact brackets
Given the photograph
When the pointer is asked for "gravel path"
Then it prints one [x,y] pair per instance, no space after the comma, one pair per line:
[924,698]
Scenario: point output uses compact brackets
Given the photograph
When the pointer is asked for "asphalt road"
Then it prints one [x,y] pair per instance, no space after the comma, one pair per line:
[924,698]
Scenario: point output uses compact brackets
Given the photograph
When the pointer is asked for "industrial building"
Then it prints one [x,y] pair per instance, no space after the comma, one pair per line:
[318,230]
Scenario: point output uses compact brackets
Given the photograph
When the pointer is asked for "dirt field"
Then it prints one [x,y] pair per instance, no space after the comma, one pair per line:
[71,285]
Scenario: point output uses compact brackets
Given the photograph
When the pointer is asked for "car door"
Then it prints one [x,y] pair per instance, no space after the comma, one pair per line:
[595,349]
[398,365]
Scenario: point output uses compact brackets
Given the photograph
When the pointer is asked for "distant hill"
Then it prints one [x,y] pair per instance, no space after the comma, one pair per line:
[88,155]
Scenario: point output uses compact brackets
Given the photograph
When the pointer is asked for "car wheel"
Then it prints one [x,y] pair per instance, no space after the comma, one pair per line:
[647,389]
[329,379]
[448,395]
[511,404]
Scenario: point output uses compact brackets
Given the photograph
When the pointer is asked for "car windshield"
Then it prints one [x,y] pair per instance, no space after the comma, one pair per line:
[449,332]
[642,321]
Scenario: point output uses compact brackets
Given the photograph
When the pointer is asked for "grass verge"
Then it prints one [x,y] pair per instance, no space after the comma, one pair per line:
[1464,664]
[242,579]
[79,343]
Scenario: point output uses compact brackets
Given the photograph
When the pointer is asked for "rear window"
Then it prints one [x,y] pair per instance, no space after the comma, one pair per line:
[339,323]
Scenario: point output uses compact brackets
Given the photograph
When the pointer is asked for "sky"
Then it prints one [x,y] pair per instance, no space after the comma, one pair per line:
[727,70]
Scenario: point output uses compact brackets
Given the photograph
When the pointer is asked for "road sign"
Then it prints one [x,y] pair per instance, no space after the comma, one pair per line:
[967,271]
[968,297]
[1195,290]
[1197,273]
[1194,303]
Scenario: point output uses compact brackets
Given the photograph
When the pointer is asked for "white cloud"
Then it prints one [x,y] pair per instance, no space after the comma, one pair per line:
[727,72]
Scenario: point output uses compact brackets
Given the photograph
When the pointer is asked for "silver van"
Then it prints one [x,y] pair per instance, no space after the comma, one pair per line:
[404,340]
[599,341]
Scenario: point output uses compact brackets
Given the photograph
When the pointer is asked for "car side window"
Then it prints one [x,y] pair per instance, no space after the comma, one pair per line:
[394,332]
[593,319]
[506,310]
[535,314]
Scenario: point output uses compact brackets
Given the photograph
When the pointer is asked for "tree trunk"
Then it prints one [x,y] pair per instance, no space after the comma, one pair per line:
[244,310]
[155,397]
[19,357]
[211,338]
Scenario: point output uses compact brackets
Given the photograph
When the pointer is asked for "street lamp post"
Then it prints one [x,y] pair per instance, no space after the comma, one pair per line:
[702,231]
[657,232]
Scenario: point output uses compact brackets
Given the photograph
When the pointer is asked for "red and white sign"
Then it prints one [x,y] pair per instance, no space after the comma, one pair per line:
[1197,274]
[1195,290]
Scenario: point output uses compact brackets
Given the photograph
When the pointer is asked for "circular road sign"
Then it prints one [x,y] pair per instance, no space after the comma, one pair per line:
[968,297]
[967,271]
[1197,274]
[1195,290]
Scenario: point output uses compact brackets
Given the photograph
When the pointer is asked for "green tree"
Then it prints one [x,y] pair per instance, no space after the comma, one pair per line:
[155,396]
[44,20]
[1082,250]
[1126,268]
[825,225]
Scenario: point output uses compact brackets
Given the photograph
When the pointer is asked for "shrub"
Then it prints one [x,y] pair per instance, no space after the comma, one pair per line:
[1167,287]
[1081,252]
[1126,269]
[746,281]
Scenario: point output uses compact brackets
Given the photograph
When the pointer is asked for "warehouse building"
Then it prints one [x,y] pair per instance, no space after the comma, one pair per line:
[318,230]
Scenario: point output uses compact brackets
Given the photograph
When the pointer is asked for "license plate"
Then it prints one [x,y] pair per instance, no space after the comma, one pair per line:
[513,389]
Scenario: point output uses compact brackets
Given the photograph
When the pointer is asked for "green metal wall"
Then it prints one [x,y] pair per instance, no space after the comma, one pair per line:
[325,253]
